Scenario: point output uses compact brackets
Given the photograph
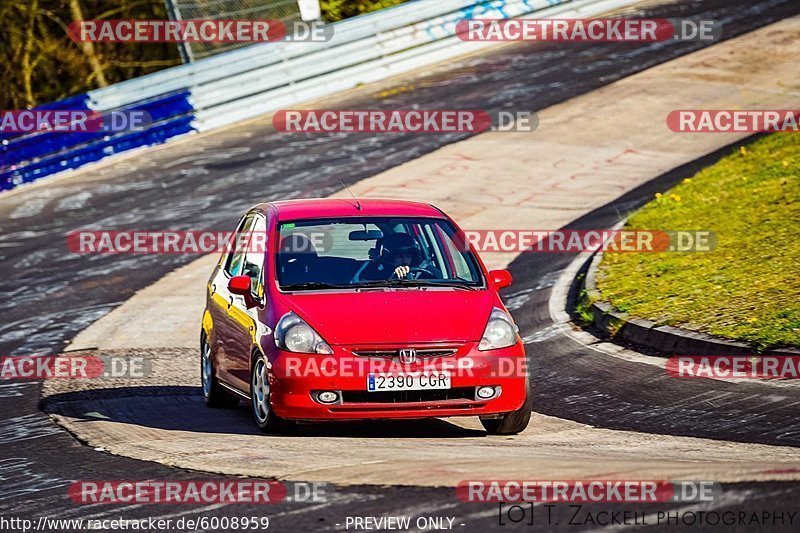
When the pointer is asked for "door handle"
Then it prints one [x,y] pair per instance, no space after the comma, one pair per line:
[213,288]
[230,302]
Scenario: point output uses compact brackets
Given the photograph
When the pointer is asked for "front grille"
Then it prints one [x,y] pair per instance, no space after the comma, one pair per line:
[462,393]
[421,352]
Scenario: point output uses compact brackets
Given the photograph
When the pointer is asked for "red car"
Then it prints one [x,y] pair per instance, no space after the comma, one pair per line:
[340,309]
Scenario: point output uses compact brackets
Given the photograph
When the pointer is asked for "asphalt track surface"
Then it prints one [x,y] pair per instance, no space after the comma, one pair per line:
[52,294]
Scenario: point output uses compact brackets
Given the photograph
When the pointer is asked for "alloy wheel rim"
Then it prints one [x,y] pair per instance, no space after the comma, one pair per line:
[206,369]
[260,394]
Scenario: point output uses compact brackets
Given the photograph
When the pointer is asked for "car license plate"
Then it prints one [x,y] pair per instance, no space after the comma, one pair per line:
[408,381]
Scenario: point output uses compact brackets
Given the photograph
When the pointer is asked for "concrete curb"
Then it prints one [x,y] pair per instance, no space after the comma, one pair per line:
[666,340]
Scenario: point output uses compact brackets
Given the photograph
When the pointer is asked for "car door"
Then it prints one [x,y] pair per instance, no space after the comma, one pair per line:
[221,301]
[243,322]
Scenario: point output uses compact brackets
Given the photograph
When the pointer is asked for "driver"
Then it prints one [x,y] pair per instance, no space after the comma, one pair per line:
[400,254]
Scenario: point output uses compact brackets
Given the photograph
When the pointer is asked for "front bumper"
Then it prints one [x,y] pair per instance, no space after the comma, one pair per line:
[295,379]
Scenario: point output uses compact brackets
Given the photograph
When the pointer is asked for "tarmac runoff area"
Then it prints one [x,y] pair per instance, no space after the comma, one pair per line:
[586,152]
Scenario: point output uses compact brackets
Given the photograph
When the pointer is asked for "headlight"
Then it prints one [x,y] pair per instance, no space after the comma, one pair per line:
[293,334]
[500,332]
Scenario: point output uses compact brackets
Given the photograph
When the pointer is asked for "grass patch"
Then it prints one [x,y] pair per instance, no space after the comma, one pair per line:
[582,312]
[748,288]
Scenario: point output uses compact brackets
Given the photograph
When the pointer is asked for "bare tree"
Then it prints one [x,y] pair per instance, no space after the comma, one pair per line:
[88,47]
[26,66]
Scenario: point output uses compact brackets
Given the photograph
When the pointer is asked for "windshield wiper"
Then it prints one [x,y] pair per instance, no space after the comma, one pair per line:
[454,285]
[411,283]
[311,285]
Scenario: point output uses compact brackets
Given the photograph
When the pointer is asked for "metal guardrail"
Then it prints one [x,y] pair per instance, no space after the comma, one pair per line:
[244,83]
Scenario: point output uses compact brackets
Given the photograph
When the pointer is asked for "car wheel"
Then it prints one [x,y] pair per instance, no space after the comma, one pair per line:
[265,418]
[213,393]
[510,423]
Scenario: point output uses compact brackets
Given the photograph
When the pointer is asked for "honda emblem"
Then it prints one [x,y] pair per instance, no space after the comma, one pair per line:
[408,356]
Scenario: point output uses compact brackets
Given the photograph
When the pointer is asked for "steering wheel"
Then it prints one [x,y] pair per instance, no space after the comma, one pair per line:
[418,270]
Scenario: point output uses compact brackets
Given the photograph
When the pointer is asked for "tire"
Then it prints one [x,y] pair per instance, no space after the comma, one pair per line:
[265,418]
[213,393]
[510,423]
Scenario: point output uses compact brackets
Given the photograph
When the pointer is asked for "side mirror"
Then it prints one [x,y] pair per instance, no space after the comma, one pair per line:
[241,285]
[500,279]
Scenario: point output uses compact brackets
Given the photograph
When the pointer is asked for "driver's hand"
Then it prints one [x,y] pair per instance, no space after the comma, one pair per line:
[402,271]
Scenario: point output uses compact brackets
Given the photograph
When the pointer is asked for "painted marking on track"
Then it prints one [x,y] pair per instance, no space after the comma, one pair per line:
[14,390]
[339,499]
[542,335]
[19,477]
[26,427]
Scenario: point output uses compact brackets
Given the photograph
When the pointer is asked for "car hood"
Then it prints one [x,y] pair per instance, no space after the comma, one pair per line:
[395,316]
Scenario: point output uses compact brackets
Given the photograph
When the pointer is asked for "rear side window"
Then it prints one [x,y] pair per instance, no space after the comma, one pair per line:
[233,265]
[253,264]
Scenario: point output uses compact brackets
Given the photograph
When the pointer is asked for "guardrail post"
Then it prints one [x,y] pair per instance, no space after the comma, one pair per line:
[184,49]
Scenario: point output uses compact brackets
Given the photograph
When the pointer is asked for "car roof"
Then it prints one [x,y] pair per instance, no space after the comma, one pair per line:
[346,207]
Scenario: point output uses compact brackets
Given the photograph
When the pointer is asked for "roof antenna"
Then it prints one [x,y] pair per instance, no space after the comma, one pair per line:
[358,204]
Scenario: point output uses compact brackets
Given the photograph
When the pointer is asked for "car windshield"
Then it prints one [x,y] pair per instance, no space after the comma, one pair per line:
[374,252]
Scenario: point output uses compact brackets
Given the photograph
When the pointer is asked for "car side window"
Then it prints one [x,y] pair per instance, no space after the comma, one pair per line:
[255,253]
[233,265]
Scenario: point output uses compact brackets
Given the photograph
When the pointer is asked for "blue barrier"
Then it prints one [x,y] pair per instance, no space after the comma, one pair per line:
[79,102]
[35,156]
[95,151]
[31,147]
